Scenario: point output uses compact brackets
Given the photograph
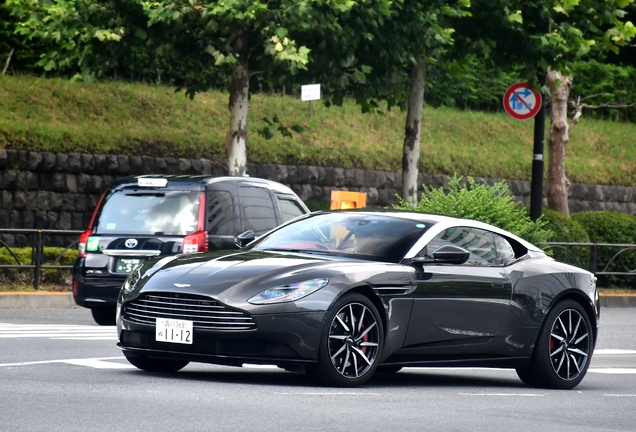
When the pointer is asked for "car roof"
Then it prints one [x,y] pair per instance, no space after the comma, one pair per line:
[443,222]
[198,181]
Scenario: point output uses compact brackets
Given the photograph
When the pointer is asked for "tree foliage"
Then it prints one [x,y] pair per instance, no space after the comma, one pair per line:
[471,199]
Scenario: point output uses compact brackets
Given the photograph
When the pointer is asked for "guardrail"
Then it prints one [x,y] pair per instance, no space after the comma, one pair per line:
[616,261]
[38,237]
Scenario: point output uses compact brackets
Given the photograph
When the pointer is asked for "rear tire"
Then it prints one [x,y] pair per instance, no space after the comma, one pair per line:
[351,343]
[563,350]
[155,365]
[104,315]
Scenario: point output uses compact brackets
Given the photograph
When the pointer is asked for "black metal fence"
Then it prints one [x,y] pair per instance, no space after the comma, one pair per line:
[37,239]
[602,259]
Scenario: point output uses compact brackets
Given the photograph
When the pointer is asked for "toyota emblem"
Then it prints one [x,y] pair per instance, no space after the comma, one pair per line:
[131,243]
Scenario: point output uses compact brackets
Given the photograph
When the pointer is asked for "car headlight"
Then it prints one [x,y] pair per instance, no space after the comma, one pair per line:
[288,293]
[131,280]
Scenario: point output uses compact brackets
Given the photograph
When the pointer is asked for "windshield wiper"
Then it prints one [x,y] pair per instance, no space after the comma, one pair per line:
[307,251]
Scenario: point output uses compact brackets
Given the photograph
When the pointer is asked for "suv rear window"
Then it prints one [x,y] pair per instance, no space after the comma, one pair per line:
[171,212]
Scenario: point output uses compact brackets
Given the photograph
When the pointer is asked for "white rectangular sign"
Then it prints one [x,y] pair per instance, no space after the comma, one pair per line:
[310,92]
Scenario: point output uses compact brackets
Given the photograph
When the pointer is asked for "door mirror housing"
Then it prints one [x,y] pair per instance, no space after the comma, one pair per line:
[447,254]
[243,239]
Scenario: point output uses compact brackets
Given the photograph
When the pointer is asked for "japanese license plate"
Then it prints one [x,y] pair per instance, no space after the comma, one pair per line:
[126,265]
[173,331]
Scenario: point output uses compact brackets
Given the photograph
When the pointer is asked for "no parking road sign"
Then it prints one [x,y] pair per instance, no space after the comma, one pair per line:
[521,102]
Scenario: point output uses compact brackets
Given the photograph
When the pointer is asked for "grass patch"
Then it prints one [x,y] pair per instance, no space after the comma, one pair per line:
[118,118]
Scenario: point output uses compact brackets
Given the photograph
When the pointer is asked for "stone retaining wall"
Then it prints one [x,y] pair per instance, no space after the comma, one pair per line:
[59,191]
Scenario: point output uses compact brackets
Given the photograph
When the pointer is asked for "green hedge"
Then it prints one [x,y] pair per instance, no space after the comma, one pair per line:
[611,227]
[25,276]
[567,230]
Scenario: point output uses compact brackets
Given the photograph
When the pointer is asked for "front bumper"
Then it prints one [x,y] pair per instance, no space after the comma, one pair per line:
[281,339]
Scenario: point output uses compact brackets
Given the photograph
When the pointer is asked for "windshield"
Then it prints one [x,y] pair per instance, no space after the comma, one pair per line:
[375,237]
[171,212]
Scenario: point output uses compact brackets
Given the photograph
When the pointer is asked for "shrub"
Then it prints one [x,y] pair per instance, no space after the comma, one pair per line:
[492,204]
[615,228]
[565,229]
[24,256]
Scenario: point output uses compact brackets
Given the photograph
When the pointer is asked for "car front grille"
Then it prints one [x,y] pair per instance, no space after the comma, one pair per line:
[206,313]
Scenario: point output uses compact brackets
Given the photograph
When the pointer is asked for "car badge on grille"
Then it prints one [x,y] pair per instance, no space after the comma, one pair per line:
[131,243]
[181,285]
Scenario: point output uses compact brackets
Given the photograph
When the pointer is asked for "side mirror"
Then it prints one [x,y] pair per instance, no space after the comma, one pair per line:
[447,254]
[241,240]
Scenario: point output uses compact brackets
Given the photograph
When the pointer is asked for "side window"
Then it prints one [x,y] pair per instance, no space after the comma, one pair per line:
[220,214]
[478,242]
[257,209]
[505,252]
[289,208]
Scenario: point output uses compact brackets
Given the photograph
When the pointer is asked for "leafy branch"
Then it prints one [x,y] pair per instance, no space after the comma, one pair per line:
[276,125]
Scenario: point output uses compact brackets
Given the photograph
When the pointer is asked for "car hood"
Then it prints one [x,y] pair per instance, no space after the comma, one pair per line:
[237,277]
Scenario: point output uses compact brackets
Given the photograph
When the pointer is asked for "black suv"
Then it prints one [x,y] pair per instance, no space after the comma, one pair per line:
[143,217]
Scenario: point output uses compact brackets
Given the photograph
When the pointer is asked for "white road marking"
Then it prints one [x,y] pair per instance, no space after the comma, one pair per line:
[502,394]
[99,364]
[326,394]
[620,395]
[91,362]
[55,331]
[613,352]
[613,371]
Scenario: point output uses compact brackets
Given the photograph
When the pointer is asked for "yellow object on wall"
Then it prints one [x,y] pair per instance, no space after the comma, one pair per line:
[341,200]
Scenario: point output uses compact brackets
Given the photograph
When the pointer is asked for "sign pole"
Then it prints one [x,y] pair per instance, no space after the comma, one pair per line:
[536,185]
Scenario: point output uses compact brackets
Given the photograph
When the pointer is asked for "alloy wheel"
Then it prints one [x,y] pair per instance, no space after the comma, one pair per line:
[354,337]
[569,344]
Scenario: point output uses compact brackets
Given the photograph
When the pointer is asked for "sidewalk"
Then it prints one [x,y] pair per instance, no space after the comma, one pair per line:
[64,300]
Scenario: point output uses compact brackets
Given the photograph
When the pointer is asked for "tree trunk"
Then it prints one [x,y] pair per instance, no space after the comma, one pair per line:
[411,153]
[558,184]
[6,65]
[237,137]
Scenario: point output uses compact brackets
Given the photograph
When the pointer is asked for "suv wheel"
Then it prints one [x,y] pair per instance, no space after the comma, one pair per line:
[104,315]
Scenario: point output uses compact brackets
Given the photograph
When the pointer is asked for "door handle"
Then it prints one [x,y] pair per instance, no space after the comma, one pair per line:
[496,284]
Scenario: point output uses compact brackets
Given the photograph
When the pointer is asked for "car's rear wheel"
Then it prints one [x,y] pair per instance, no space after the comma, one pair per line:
[351,342]
[155,365]
[563,349]
[104,315]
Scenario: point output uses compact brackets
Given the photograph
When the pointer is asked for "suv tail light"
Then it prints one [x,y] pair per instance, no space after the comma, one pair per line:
[196,242]
[81,246]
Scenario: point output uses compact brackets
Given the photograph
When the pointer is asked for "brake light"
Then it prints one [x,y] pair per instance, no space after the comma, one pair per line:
[196,242]
[81,246]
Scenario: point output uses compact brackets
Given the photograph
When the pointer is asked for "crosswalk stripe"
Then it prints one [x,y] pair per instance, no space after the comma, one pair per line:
[57,331]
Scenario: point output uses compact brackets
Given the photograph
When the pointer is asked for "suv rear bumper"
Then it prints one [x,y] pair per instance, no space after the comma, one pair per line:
[97,291]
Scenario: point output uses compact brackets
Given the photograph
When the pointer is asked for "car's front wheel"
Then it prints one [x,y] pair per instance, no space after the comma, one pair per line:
[155,365]
[351,342]
[104,315]
[563,349]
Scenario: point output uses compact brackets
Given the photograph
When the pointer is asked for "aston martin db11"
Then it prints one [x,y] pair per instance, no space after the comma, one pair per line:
[343,295]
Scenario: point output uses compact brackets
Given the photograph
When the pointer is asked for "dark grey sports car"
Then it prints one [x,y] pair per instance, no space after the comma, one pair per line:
[342,295]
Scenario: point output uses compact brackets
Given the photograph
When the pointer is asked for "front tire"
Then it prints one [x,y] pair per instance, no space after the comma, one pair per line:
[351,343]
[563,350]
[155,365]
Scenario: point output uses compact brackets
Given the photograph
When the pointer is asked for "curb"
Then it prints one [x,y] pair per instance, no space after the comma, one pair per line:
[617,300]
[36,300]
[64,300]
